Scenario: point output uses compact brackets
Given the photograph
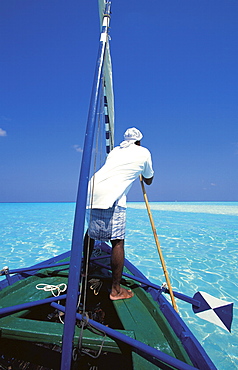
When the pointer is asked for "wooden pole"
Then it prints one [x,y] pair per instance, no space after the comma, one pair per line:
[158,245]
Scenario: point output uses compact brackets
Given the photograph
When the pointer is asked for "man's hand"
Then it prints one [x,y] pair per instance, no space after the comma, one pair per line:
[148,181]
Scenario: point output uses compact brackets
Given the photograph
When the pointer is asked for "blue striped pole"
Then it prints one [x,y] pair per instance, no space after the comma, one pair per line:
[78,231]
[107,125]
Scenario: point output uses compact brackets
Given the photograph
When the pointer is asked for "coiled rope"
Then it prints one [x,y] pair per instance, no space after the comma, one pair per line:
[52,288]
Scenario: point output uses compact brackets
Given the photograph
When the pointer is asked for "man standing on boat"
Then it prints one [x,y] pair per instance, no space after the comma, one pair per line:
[107,202]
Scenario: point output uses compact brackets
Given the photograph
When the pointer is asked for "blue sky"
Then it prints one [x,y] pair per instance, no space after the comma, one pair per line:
[175,78]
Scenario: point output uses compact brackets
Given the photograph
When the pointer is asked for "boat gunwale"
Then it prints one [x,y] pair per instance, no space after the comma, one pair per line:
[193,348]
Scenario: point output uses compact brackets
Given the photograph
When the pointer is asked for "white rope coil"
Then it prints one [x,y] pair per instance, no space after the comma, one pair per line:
[52,288]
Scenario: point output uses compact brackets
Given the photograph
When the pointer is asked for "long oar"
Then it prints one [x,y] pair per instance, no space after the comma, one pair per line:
[158,246]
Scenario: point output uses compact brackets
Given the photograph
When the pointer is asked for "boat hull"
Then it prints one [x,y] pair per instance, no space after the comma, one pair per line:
[32,329]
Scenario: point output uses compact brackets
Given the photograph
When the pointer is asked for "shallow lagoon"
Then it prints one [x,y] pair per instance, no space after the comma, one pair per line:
[199,243]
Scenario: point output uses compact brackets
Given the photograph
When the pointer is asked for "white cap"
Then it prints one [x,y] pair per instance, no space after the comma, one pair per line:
[131,136]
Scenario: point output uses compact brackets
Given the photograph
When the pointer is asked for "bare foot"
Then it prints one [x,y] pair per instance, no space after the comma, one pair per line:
[123,294]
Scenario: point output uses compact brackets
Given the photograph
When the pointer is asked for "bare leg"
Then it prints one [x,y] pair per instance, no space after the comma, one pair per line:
[117,263]
[87,252]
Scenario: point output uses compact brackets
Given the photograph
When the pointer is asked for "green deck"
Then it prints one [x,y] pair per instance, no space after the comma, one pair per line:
[31,326]
[19,326]
[151,329]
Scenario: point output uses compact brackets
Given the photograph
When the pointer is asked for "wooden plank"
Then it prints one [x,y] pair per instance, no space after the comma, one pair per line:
[141,315]
[134,316]
[50,332]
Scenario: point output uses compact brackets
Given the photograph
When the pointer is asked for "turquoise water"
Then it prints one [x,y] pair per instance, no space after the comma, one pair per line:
[199,243]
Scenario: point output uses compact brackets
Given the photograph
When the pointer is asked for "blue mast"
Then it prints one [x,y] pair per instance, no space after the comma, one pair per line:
[78,230]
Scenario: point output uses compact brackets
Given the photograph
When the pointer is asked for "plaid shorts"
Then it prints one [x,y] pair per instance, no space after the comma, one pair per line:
[107,224]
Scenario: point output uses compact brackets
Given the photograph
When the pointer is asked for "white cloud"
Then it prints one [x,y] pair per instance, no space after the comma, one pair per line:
[78,148]
[3,132]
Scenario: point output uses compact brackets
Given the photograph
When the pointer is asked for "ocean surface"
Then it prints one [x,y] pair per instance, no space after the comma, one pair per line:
[199,242]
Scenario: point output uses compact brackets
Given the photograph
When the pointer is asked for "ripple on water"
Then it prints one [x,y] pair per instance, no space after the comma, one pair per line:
[199,243]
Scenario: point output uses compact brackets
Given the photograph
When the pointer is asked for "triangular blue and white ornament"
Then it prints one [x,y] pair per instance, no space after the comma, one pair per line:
[215,310]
